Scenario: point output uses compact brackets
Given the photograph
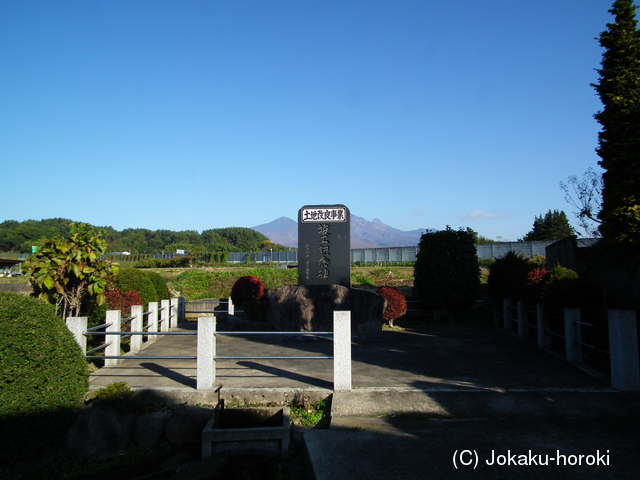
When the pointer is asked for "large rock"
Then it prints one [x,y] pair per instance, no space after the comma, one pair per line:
[100,431]
[310,308]
[148,428]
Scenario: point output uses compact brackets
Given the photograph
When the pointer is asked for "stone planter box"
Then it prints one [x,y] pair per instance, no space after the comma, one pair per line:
[242,431]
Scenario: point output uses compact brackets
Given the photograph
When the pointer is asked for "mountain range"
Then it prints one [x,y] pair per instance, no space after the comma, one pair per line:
[364,233]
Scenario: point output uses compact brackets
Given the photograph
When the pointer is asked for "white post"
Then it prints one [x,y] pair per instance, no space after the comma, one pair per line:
[175,312]
[136,326]
[506,314]
[153,320]
[113,349]
[77,326]
[164,315]
[342,350]
[544,340]
[206,362]
[573,335]
[623,349]
[231,307]
[523,330]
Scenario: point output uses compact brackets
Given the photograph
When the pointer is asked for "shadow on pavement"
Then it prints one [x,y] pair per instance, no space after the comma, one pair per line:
[171,374]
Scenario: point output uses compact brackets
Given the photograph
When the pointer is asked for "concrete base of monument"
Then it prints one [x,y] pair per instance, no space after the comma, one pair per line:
[310,308]
[239,431]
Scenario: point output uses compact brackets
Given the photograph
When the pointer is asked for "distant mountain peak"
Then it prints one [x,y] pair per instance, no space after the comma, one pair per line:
[364,233]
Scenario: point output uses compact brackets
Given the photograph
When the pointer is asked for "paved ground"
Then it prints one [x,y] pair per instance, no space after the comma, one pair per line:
[420,395]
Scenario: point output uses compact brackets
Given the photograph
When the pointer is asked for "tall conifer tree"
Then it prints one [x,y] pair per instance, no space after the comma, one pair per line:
[619,138]
[553,226]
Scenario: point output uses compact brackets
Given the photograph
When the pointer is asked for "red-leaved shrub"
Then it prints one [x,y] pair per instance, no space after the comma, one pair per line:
[247,288]
[248,292]
[532,291]
[116,300]
[396,303]
[534,277]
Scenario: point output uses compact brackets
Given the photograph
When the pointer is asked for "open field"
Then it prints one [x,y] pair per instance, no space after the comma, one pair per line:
[216,282]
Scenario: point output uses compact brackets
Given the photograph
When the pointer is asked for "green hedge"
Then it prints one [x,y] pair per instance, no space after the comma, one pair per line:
[508,276]
[446,272]
[133,279]
[160,285]
[42,366]
[43,374]
[195,284]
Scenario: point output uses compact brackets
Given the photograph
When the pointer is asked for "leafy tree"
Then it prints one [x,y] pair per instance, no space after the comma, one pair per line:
[245,239]
[477,238]
[68,272]
[553,226]
[446,273]
[18,237]
[619,138]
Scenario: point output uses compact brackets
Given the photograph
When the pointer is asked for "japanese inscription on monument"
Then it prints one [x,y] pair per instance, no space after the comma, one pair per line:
[324,245]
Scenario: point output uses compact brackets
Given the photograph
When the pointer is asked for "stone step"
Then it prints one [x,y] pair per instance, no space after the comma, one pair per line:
[488,403]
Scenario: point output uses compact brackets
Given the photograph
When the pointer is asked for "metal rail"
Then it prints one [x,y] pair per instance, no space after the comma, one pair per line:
[216,357]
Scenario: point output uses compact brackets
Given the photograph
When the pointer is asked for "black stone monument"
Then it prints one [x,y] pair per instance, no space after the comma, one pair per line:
[324,245]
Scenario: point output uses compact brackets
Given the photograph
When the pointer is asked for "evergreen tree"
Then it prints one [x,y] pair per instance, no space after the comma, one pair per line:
[446,274]
[553,226]
[619,138]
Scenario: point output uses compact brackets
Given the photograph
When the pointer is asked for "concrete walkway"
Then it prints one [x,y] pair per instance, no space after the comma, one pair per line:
[419,396]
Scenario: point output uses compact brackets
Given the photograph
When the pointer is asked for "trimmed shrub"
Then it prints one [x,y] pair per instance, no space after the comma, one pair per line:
[574,293]
[247,288]
[43,374]
[446,272]
[133,279]
[160,285]
[508,277]
[247,292]
[396,303]
[116,300]
[151,263]
[559,273]
[114,392]
[538,261]
[532,291]
[558,282]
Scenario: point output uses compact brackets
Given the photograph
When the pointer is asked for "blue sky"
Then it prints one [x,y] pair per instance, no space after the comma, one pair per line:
[190,115]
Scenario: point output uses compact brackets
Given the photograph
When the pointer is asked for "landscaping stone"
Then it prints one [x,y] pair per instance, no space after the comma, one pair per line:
[310,308]
[100,431]
[148,428]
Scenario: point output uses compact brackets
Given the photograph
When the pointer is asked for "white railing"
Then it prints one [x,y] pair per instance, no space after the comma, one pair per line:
[622,330]
[208,355]
[159,321]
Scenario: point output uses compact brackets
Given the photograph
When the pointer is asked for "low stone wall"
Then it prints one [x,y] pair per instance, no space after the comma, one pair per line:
[103,430]
[22,288]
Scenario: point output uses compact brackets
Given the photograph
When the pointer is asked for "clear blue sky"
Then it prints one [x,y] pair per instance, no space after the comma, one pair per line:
[190,115]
